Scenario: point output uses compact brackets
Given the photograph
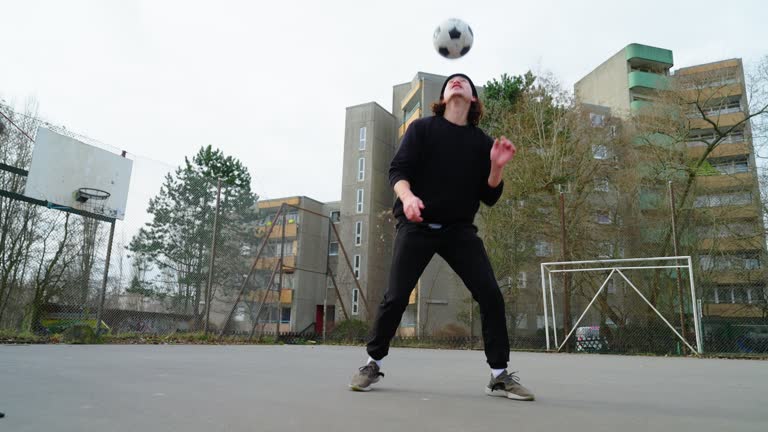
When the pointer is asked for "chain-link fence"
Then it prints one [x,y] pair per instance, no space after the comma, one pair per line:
[199,253]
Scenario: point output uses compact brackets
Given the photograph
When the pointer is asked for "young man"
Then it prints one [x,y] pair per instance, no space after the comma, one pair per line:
[445,166]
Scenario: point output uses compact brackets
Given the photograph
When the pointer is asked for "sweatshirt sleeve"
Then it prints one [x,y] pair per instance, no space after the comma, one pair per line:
[406,160]
[488,195]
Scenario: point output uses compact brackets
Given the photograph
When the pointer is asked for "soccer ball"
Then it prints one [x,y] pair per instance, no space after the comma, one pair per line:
[453,38]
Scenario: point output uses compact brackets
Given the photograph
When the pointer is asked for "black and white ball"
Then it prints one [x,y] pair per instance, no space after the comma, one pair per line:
[453,38]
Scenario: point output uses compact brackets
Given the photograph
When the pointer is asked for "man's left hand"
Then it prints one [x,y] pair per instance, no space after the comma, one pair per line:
[502,151]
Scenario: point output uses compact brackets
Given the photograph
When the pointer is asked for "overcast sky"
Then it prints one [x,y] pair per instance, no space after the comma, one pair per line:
[268,82]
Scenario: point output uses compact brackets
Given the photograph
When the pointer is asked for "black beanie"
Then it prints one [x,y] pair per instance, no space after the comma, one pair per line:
[471,84]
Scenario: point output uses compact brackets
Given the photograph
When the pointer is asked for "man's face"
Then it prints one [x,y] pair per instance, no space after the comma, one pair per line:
[458,86]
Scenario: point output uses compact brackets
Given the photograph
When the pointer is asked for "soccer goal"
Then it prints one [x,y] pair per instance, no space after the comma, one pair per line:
[638,300]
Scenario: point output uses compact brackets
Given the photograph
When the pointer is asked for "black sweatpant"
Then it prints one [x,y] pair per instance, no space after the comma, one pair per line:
[463,250]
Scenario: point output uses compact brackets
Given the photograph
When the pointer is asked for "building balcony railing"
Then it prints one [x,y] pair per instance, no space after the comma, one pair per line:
[291,231]
[648,80]
[722,150]
[410,95]
[638,52]
[742,180]
[720,120]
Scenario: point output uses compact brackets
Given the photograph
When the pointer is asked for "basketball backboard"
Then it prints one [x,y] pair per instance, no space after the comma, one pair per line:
[69,173]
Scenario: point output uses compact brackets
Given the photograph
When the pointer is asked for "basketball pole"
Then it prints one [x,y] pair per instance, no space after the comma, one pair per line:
[208,287]
[106,271]
[106,276]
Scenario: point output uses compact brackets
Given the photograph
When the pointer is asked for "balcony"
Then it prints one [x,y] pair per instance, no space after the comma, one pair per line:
[269,263]
[637,52]
[414,115]
[647,80]
[731,244]
[277,232]
[732,277]
[732,310]
[722,118]
[730,212]
[712,91]
[638,106]
[722,149]
[410,95]
[744,180]
[256,296]
[269,204]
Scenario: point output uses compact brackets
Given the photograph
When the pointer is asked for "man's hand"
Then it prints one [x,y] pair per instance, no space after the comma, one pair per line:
[502,152]
[412,206]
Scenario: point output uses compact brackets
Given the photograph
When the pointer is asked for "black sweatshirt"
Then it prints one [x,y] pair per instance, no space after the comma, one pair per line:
[447,166]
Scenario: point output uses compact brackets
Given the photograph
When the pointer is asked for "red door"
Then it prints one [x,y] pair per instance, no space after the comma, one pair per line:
[319,319]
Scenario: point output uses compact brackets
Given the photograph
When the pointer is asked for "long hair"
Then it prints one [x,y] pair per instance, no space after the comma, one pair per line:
[473,116]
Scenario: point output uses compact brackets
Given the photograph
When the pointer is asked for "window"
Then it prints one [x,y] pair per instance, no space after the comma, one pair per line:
[356,266]
[604,218]
[240,314]
[597,120]
[719,78]
[708,137]
[605,250]
[715,108]
[287,280]
[359,200]
[355,302]
[543,248]
[602,184]
[599,151]
[739,294]
[335,216]
[723,199]
[363,132]
[727,230]
[333,249]
[285,315]
[522,280]
[266,219]
[272,248]
[731,262]
[361,169]
[713,296]
[521,321]
[358,233]
[735,165]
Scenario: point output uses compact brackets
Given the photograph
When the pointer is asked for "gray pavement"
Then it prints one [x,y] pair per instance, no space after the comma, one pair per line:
[304,388]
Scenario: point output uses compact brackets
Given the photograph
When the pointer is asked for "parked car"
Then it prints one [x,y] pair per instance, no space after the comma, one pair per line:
[589,339]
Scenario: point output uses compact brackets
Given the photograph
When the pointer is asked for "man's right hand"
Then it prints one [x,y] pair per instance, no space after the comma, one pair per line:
[412,206]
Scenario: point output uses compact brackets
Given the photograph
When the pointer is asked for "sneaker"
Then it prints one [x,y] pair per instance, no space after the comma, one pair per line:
[508,385]
[366,375]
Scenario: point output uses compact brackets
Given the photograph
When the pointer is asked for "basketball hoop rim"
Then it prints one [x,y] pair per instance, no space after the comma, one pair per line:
[93,193]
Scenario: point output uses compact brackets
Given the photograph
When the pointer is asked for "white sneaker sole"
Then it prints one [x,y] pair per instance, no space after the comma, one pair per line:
[359,389]
[508,395]
[362,389]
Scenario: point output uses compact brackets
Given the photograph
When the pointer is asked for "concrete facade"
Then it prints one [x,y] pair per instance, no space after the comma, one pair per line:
[365,202]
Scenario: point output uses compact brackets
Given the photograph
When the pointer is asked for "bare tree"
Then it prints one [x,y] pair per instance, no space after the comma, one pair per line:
[16,217]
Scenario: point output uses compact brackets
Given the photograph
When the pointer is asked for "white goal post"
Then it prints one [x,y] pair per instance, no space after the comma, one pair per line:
[615,266]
